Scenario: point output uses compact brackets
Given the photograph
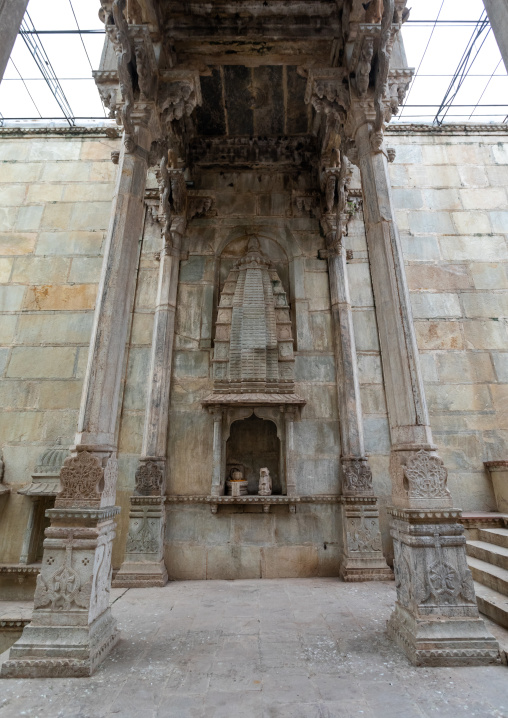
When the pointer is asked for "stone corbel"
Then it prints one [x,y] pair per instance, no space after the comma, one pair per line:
[179,94]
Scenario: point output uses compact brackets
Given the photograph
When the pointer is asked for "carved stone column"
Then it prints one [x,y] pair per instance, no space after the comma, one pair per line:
[144,561]
[72,628]
[362,558]
[436,618]
[217,472]
[11,16]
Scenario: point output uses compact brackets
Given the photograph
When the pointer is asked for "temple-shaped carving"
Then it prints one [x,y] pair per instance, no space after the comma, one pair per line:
[253,354]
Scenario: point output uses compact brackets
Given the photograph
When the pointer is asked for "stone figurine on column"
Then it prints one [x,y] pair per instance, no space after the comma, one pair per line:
[436,620]
[362,558]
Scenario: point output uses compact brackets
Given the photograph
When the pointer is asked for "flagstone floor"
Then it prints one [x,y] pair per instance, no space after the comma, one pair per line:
[293,648]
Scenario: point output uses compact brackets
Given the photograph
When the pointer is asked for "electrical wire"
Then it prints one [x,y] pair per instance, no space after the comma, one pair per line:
[26,88]
[423,56]
[463,67]
[485,88]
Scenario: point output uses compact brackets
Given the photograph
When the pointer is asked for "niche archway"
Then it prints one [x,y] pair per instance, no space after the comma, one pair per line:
[252,444]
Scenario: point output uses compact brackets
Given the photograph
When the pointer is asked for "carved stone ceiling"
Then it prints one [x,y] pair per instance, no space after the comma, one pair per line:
[252,58]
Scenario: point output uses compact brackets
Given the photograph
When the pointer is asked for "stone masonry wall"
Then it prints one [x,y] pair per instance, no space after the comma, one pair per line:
[450,195]
[55,196]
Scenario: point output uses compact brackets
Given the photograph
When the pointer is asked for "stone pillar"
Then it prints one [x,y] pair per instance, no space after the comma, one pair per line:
[217,478]
[497,10]
[72,629]
[362,558]
[144,561]
[289,417]
[436,620]
[11,16]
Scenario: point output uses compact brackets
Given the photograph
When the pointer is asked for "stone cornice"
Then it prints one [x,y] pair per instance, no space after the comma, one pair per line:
[409,129]
[111,132]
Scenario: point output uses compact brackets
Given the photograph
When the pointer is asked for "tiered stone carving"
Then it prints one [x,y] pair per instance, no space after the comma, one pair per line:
[253,341]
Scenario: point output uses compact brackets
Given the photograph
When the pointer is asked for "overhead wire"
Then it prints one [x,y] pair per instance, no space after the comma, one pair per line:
[423,56]
[465,63]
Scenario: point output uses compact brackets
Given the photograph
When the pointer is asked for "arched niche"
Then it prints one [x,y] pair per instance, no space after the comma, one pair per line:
[253,443]
[237,248]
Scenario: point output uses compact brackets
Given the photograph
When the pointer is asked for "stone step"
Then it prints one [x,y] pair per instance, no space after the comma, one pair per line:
[492,603]
[489,552]
[496,536]
[491,576]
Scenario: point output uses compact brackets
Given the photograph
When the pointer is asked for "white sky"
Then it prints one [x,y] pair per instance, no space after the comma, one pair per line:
[436,65]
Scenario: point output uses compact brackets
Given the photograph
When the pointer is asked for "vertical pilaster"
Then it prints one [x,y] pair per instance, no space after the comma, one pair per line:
[436,620]
[362,558]
[72,628]
[144,561]
[289,418]
[11,16]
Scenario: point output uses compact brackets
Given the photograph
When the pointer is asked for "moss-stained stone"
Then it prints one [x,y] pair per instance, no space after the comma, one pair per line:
[54,328]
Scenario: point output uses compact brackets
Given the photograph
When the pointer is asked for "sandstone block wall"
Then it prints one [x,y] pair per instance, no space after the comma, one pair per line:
[450,191]
[450,194]
[55,196]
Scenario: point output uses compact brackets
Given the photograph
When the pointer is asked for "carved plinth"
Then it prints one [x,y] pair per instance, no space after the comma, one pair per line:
[436,620]
[362,558]
[72,628]
[143,565]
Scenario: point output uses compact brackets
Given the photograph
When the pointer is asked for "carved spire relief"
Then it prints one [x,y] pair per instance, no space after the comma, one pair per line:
[254,339]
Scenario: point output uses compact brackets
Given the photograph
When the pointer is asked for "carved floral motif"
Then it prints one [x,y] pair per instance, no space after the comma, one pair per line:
[148,479]
[81,478]
[357,476]
[426,476]
[63,589]
[141,538]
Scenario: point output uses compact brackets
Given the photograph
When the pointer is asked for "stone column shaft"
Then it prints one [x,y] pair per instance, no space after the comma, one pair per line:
[348,388]
[497,10]
[405,397]
[11,16]
[101,389]
[217,478]
[72,628]
[156,418]
[435,620]
[362,558]
[143,565]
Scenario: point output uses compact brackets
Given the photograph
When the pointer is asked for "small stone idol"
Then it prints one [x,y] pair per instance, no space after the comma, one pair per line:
[265,482]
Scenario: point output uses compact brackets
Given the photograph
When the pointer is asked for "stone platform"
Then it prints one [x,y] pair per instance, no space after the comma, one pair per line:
[293,648]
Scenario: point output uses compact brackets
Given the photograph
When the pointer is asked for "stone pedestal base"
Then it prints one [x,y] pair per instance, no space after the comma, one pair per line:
[143,566]
[141,574]
[72,628]
[434,642]
[362,558]
[436,620]
[61,651]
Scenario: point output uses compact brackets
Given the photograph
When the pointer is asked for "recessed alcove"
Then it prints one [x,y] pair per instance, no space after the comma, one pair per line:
[252,444]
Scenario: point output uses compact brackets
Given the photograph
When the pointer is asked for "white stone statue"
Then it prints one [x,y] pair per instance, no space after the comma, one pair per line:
[265,482]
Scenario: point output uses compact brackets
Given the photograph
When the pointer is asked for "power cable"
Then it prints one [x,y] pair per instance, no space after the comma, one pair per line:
[26,88]
[463,67]
[423,56]
[36,49]
[485,88]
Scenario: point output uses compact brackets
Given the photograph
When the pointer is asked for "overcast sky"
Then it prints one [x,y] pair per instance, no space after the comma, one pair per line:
[435,51]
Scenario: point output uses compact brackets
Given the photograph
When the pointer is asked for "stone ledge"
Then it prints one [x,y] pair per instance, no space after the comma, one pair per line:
[451,129]
[109,131]
[254,499]
[85,513]
[425,515]
[21,569]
